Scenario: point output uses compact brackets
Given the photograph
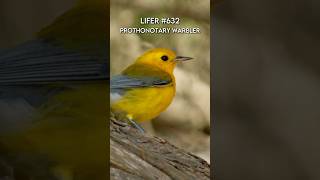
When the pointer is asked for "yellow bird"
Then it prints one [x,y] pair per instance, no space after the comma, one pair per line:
[54,99]
[145,88]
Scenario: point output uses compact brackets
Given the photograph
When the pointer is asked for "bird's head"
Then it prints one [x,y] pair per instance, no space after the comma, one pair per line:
[162,58]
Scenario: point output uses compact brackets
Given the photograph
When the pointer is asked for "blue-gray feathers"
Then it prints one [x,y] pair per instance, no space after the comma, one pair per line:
[39,62]
[121,83]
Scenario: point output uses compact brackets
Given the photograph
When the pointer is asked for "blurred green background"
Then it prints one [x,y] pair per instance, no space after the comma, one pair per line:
[186,123]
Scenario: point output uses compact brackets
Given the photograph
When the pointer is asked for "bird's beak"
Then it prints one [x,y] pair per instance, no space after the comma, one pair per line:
[182,58]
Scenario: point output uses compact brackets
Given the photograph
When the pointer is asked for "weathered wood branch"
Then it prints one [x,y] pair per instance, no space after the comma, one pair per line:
[134,155]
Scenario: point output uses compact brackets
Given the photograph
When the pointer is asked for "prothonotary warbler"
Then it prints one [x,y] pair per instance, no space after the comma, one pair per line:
[146,88]
[54,100]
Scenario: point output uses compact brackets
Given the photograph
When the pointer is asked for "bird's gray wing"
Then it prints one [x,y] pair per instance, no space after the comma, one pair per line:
[127,82]
[119,84]
[40,62]
[26,72]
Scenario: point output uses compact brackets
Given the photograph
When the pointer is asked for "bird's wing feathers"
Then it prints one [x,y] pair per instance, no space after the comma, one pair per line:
[138,76]
[127,82]
[27,72]
[121,83]
[39,62]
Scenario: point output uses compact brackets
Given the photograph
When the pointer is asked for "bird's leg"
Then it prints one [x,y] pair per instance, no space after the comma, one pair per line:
[134,124]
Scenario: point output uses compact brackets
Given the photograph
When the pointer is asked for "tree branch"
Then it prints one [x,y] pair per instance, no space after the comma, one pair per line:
[134,155]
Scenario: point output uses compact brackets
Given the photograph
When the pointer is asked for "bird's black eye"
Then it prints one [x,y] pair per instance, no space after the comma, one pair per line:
[164,58]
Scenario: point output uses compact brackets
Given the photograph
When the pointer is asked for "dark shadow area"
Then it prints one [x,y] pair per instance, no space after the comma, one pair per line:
[54,90]
[266,90]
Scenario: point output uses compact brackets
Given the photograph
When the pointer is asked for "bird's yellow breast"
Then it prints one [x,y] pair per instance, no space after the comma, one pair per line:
[71,130]
[145,103]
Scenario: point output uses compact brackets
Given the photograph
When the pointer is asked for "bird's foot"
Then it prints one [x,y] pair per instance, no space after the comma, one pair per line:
[136,125]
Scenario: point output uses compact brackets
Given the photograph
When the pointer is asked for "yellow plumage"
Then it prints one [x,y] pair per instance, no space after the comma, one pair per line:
[143,104]
[82,28]
[67,132]
[147,87]
[70,131]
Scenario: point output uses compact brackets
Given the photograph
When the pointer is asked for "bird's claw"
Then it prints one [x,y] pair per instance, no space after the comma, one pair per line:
[136,125]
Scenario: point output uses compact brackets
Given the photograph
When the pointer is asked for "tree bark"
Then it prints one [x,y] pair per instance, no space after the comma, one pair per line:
[135,155]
